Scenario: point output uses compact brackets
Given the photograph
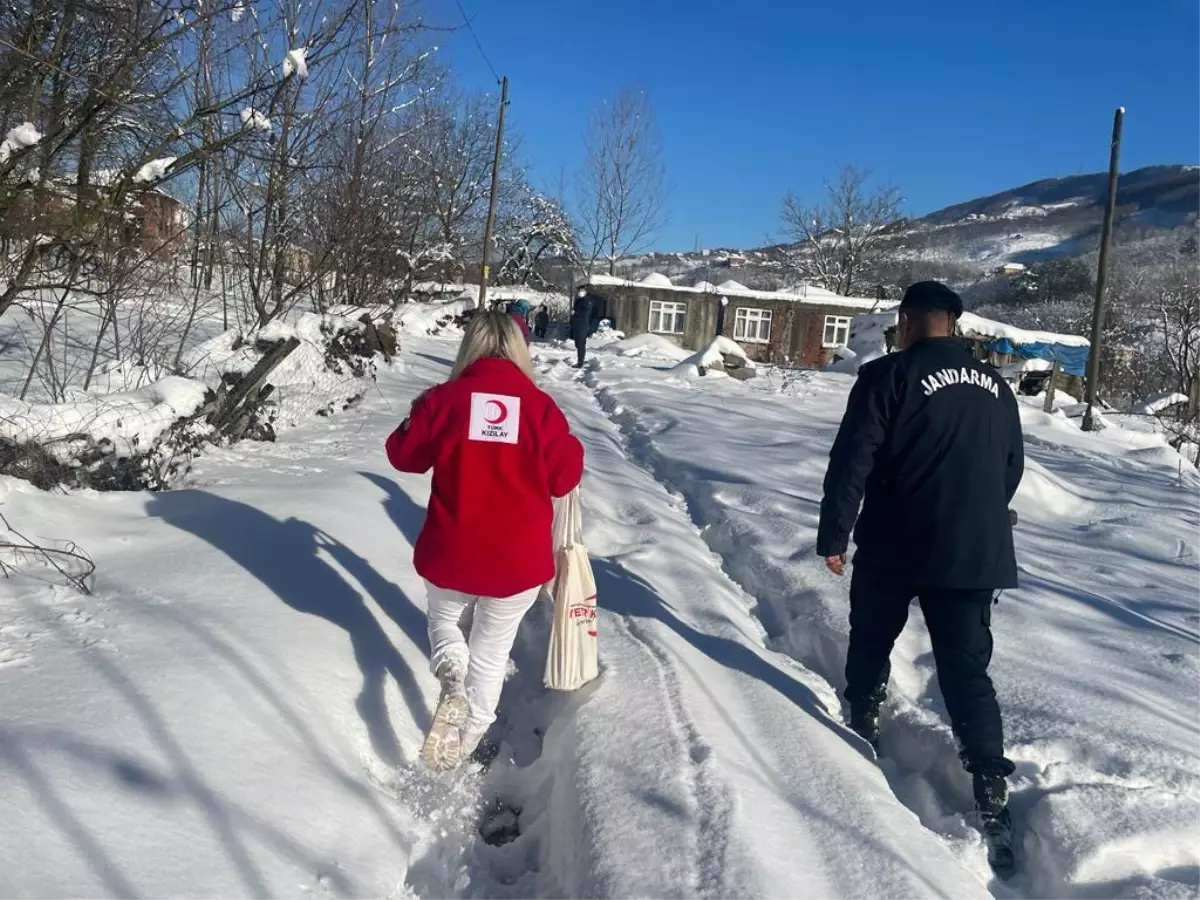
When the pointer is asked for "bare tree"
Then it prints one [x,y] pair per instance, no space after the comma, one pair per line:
[1178,318]
[533,229]
[841,243]
[622,188]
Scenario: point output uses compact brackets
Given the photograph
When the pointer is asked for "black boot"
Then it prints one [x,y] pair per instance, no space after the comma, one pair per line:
[991,794]
[991,801]
[864,717]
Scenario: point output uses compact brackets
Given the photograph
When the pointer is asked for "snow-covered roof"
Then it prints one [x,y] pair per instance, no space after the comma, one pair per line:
[973,324]
[803,293]
[1156,403]
[656,279]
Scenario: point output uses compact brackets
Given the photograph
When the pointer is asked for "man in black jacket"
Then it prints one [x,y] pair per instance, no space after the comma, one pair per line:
[932,438]
[581,321]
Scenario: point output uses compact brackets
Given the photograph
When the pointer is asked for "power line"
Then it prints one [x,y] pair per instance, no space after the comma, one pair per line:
[471,28]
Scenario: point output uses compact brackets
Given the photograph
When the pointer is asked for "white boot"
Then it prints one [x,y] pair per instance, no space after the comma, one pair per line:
[442,750]
[443,747]
[452,673]
[472,734]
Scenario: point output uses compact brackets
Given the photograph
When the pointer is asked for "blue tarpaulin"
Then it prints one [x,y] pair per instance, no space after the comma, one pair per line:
[1071,359]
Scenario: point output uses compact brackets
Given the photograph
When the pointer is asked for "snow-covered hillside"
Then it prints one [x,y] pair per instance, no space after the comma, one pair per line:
[237,708]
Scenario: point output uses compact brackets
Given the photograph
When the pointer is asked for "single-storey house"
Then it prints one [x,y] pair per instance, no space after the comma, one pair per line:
[802,325]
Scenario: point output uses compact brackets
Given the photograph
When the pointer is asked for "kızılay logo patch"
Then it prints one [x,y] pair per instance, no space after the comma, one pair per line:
[495,418]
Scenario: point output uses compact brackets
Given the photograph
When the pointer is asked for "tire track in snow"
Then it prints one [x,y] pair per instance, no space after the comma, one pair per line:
[922,753]
[713,809]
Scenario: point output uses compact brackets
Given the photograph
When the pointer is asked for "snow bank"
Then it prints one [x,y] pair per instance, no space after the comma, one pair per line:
[651,345]
[868,341]
[131,421]
[711,359]
[139,427]
[17,139]
[437,317]
[656,279]
[1156,403]
[732,287]
[605,335]
[120,375]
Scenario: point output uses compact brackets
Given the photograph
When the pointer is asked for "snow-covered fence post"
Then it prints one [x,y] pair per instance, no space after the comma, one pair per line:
[1049,406]
[227,408]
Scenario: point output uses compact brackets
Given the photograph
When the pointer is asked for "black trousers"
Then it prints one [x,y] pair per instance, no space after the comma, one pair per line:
[959,624]
[581,347]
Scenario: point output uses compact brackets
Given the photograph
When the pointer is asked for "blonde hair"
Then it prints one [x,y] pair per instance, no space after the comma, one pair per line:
[493,334]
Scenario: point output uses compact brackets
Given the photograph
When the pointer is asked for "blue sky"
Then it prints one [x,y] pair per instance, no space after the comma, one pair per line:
[949,101]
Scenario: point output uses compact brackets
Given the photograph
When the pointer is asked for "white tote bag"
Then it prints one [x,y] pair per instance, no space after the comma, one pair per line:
[573,658]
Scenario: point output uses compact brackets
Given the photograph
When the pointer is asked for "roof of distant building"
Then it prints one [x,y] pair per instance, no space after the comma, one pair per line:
[801,293]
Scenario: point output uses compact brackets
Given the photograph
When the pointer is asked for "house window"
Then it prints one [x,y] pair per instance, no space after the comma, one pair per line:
[837,331]
[752,326]
[667,318]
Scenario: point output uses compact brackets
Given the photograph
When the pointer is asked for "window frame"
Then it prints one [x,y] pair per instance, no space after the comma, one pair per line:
[837,322]
[678,314]
[753,316]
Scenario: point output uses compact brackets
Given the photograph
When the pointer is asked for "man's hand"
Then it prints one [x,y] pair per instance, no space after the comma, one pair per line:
[837,564]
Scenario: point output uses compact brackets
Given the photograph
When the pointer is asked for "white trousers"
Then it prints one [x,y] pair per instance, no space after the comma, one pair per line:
[494,624]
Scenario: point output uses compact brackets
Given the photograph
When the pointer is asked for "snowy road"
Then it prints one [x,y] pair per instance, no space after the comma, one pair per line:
[237,710]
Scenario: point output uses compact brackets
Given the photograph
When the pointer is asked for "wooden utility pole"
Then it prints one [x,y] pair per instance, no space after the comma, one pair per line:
[1093,370]
[485,270]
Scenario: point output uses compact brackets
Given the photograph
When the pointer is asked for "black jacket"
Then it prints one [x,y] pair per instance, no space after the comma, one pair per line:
[581,317]
[933,438]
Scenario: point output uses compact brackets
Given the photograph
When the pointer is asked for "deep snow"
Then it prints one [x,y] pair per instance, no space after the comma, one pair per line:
[237,710]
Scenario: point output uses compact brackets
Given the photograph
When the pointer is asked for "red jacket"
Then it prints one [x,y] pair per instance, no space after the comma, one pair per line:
[500,449]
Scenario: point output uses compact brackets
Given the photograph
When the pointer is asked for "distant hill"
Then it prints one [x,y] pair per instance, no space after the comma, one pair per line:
[1169,190]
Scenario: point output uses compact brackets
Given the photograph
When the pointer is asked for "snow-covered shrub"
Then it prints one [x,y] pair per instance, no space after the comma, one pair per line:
[128,440]
[445,317]
[245,388]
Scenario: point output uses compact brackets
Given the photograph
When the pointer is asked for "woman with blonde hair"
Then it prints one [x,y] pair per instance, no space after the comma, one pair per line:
[500,450]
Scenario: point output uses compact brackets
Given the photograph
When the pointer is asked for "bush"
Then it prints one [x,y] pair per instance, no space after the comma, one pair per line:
[321,366]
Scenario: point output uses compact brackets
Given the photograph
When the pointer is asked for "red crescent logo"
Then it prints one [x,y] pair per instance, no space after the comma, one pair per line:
[501,414]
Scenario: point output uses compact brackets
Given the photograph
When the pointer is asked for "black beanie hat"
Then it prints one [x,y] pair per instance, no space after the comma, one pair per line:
[932,295]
